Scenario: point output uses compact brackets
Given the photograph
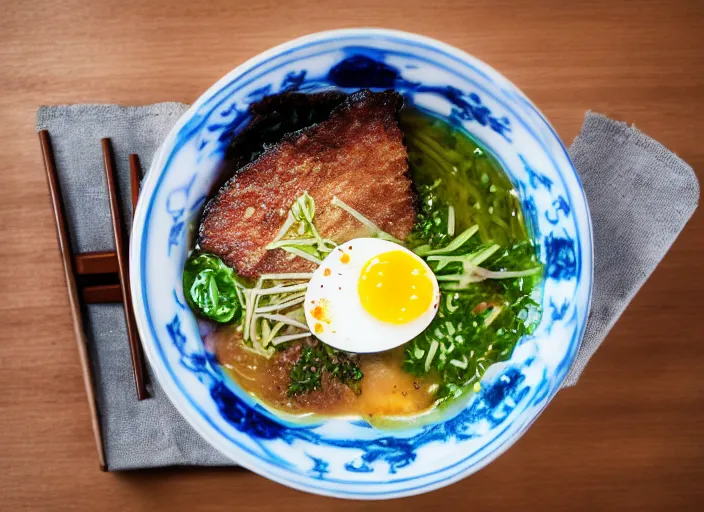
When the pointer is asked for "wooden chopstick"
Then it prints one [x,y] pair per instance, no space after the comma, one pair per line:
[67,259]
[105,262]
[135,178]
[122,264]
[96,263]
[101,294]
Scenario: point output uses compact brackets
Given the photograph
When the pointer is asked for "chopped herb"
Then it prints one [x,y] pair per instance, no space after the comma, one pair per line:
[481,316]
[471,232]
[306,375]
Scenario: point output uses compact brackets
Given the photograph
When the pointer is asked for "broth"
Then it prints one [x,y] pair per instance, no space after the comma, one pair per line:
[385,390]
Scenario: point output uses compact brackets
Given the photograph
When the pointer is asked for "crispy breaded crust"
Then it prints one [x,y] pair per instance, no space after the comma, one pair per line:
[357,155]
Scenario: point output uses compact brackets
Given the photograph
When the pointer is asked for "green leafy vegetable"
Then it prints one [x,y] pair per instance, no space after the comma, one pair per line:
[471,232]
[210,288]
[306,375]
[484,310]
[471,332]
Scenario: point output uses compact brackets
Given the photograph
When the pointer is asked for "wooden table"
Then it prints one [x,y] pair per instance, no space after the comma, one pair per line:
[628,437]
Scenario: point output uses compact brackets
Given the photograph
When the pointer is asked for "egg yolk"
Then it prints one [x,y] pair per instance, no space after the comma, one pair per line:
[395,287]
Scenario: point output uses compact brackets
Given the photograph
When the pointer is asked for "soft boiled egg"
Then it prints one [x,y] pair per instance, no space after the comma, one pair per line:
[370,295]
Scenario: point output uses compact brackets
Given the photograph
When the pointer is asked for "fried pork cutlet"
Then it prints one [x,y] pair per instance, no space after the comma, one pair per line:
[357,154]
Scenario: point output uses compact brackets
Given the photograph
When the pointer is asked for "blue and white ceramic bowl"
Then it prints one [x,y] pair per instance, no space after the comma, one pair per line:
[345,458]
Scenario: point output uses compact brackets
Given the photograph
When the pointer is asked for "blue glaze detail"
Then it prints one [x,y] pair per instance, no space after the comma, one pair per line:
[320,467]
[175,333]
[176,207]
[229,110]
[535,177]
[197,204]
[561,257]
[558,312]
[542,392]
[560,204]
[466,107]
[259,93]
[175,234]
[360,71]
[239,121]
[530,210]
[178,301]
[293,81]
[360,423]
[244,418]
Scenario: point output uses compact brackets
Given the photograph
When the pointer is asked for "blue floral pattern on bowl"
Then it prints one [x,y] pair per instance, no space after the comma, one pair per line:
[345,457]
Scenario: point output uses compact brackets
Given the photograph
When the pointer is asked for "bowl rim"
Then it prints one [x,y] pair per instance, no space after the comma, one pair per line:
[149,185]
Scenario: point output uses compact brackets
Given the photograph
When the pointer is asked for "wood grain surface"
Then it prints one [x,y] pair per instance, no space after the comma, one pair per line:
[630,436]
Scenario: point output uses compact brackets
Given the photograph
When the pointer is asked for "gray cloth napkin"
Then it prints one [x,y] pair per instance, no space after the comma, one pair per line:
[640,197]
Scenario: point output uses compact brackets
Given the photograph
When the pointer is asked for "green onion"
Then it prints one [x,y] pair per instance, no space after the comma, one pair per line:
[450,220]
[299,236]
[376,231]
[452,246]
[284,320]
[290,337]
[431,354]
[449,304]
[460,364]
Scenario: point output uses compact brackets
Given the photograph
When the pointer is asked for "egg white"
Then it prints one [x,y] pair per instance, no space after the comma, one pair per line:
[350,327]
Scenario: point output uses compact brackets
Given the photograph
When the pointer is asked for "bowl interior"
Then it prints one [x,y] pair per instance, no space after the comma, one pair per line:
[346,458]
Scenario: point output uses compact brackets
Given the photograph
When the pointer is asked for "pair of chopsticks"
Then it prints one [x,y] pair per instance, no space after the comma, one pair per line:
[91,276]
[138,368]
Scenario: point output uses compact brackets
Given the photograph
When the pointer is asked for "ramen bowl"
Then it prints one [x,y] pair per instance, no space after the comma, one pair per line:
[347,458]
